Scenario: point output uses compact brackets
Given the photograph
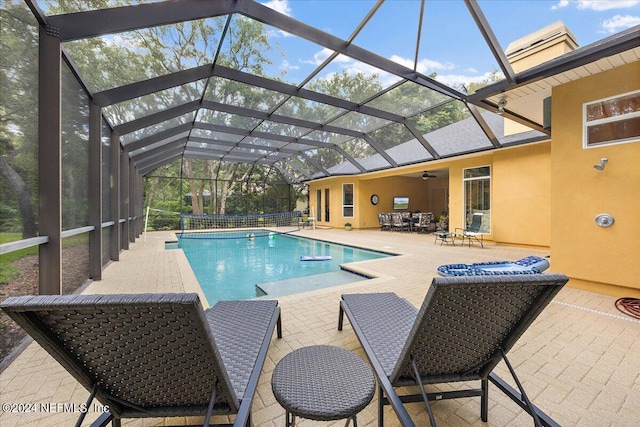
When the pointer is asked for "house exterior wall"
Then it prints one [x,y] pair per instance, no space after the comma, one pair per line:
[520,189]
[544,194]
[386,189]
[541,46]
[366,214]
[605,260]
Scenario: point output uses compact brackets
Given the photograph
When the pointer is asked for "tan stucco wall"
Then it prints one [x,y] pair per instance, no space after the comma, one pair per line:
[544,194]
[387,189]
[520,193]
[602,258]
[556,47]
[521,187]
[365,214]
[547,43]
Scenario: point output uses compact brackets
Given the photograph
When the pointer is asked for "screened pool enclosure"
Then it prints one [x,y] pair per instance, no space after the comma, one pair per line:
[232,106]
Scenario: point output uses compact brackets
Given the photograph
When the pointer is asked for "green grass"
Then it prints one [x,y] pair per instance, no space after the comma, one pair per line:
[9,237]
[9,272]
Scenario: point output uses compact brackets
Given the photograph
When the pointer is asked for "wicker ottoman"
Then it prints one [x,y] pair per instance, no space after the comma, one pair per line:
[322,383]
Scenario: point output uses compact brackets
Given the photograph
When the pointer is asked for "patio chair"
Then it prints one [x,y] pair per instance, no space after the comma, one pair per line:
[442,224]
[424,221]
[472,231]
[465,326]
[397,222]
[385,221]
[155,355]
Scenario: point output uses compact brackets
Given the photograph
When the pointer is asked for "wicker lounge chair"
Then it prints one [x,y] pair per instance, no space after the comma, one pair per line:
[465,326]
[155,355]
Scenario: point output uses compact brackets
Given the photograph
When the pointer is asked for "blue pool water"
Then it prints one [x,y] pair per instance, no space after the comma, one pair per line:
[230,269]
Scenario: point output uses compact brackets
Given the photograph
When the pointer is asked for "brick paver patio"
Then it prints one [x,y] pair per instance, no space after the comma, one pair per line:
[579,362]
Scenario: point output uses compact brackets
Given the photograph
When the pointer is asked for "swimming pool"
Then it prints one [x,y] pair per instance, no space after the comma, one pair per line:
[237,268]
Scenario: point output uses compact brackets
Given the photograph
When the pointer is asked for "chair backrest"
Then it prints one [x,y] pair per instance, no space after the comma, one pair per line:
[476,223]
[464,321]
[396,218]
[443,223]
[153,351]
[425,219]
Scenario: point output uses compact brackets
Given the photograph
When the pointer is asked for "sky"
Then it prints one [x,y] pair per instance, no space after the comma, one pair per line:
[450,42]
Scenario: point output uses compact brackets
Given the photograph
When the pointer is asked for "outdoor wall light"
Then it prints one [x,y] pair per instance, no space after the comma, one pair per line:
[501,104]
[600,166]
[604,220]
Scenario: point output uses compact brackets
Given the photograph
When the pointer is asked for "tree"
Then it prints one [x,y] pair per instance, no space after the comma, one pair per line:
[18,118]
[356,86]
[494,76]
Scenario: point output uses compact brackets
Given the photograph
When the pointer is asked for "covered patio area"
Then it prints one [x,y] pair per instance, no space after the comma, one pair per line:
[578,362]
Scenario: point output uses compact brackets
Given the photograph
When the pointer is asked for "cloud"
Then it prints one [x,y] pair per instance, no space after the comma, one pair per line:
[320,56]
[425,65]
[454,80]
[597,5]
[351,67]
[561,4]
[619,22]
[286,66]
[281,6]
[354,67]
[600,5]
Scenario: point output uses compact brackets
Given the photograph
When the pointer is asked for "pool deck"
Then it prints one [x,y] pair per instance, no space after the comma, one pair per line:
[579,361]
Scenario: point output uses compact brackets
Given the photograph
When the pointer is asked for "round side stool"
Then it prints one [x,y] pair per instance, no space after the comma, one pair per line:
[322,383]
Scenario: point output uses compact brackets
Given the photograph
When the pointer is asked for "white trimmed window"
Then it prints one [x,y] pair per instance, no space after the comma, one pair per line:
[613,120]
[477,196]
[347,200]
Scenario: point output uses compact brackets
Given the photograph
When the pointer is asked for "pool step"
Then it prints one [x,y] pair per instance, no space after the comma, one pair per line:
[308,283]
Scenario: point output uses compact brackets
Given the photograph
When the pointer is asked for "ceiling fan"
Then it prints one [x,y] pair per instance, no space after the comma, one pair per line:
[426,175]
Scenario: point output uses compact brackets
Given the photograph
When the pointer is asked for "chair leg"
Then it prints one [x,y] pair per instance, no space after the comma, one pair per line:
[104,419]
[290,419]
[484,400]
[94,389]
[425,398]
[525,398]
[279,325]
[212,402]
[340,317]
[380,407]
